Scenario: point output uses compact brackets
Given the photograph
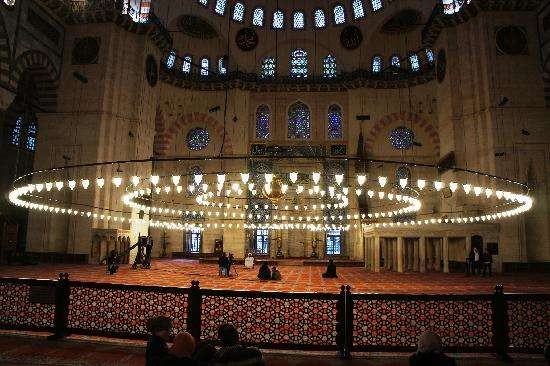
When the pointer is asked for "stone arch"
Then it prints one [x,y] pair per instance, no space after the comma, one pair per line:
[417,121]
[39,66]
[5,53]
[165,137]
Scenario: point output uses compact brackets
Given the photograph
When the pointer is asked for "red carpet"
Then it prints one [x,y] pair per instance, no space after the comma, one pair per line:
[179,272]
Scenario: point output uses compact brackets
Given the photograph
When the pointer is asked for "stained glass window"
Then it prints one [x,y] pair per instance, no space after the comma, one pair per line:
[186,64]
[430,55]
[333,242]
[453,6]
[299,126]
[376,64]
[298,63]
[197,138]
[31,137]
[376,4]
[203,2]
[9,2]
[334,122]
[298,20]
[358,10]
[194,238]
[402,138]
[16,132]
[339,15]
[319,17]
[171,59]
[278,19]
[220,6]
[238,12]
[268,67]
[263,116]
[205,63]
[414,62]
[258,17]
[395,61]
[329,66]
[222,69]
[261,239]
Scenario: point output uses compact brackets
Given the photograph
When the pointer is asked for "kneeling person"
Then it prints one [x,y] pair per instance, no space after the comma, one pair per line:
[331,270]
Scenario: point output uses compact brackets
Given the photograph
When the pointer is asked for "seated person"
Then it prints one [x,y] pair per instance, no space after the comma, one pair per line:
[112,262]
[231,353]
[265,272]
[181,351]
[275,274]
[331,270]
[429,352]
[157,349]
[249,261]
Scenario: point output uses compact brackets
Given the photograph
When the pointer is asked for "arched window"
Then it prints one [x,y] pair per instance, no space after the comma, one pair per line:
[278,19]
[376,5]
[430,55]
[9,2]
[186,64]
[31,137]
[376,64]
[414,62]
[395,61]
[319,18]
[261,241]
[171,59]
[15,137]
[299,126]
[329,67]
[339,14]
[238,12]
[358,10]
[298,20]
[268,67]
[203,2]
[334,122]
[222,68]
[205,64]
[263,116]
[333,242]
[220,7]
[298,63]
[258,17]
[194,239]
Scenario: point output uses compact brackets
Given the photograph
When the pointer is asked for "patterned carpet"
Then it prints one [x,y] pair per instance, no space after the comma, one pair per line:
[180,272]
[36,350]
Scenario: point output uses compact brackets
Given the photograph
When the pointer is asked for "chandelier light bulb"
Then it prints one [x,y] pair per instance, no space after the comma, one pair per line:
[299,189]
[167,189]
[339,178]
[467,188]
[382,181]
[235,186]
[176,180]
[316,177]
[361,179]
[284,188]
[245,177]
[370,194]
[331,191]
[421,183]
[72,184]
[403,182]
[220,179]
[250,186]
[438,185]
[293,177]
[488,192]
[117,181]
[477,191]
[267,188]
[204,187]
[345,191]
[453,186]
[381,195]
[135,180]
[191,188]
[179,189]
[499,194]
[39,187]
[155,179]
[358,191]
[268,177]
[59,185]
[316,189]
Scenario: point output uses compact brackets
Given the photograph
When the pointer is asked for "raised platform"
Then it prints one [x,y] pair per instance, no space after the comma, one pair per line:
[180,273]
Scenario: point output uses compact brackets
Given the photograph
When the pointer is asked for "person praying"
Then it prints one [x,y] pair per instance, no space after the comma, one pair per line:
[264,273]
[275,274]
[331,270]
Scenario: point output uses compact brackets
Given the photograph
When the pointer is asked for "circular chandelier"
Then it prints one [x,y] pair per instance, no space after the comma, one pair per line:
[284,199]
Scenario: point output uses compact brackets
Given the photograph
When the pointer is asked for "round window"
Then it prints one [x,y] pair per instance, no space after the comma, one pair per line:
[197,139]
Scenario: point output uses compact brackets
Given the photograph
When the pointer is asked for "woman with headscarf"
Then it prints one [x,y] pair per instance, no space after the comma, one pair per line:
[429,352]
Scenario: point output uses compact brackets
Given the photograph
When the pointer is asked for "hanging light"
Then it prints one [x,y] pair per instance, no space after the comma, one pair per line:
[358,191]
[220,179]
[268,177]
[59,185]
[117,181]
[382,181]
[176,180]
[438,185]
[167,189]
[235,186]
[370,194]
[467,188]
[453,186]
[361,179]
[39,187]
[179,189]
[488,192]
[155,179]
[135,180]
[204,187]
[498,193]
[245,177]
[251,186]
[339,178]
[381,195]
[284,188]
[403,182]
[316,177]
[421,183]
[477,190]
[72,184]
[299,189]
[345,191]
[267,188]
[293,177]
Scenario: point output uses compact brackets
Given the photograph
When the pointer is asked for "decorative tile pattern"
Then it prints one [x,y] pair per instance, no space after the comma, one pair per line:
[16,310]
[529,323]
[399,323]
[124,311]
[265,320]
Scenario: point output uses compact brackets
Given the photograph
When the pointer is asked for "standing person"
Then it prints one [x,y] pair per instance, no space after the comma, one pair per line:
[230,261]
[331,270]
[477,261]
[181,351]
[249,261]
[222,260]
[159,328]
[487,263]
[470,263]
[264,273]
[275,274]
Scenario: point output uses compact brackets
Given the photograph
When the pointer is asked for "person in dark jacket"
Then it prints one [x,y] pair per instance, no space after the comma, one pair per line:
[222,263]
[429,352]
[487,259]
[157,349]
[264,272]
[275,274]
[180,352]
[231,353]
[331,270]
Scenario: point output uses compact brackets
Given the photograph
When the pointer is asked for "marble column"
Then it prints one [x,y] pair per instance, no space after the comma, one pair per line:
[376,256]
[446,254]
[400,256]
[389,258]
[422,253]
[384,244]
[394,252]
[410,254]
[437,243]
[415,255]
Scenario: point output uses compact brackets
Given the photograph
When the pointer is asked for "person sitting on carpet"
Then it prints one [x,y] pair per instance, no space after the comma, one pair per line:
[249,261]
[429,352]
[231,353]
[331,270]
[157,349]
[181,351]
[275,274]
[264,273]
